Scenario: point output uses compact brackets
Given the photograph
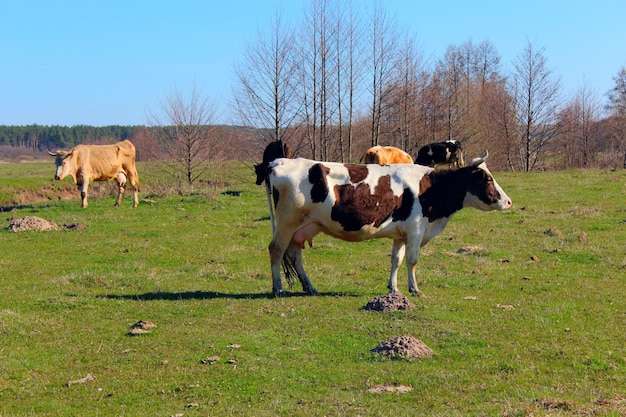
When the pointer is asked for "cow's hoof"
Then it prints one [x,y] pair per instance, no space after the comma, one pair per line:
[312,292]
[278,293]
[418,293]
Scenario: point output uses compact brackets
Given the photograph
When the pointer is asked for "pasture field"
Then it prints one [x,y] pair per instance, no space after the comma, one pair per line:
[528,320]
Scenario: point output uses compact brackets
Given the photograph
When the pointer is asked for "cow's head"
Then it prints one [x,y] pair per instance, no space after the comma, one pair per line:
[261,172]
[63,162]
[483,191]
[274,150]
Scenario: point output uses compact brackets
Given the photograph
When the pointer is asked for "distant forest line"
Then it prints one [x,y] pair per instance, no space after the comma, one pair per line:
[38,137]
[31,142]
[28,142]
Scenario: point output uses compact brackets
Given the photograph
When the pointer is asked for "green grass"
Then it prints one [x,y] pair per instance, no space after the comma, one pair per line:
[197,266]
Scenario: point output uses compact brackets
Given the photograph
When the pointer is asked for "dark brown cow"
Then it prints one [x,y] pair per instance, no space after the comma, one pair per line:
[88,163]
[410,204]
[274,150]
[386,155]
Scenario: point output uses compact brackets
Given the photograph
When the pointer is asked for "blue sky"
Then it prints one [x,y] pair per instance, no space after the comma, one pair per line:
[98,62]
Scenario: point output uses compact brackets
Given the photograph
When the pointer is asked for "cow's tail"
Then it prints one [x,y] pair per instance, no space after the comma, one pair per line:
[289,266]
[268,193]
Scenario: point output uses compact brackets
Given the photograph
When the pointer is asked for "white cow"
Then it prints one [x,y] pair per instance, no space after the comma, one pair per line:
[410,204]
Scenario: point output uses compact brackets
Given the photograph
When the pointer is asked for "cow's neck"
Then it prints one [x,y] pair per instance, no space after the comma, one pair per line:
[442,193]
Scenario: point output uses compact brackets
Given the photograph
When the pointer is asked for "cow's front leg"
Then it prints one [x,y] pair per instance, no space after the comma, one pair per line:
[411,266]
[397,255]
[84,188]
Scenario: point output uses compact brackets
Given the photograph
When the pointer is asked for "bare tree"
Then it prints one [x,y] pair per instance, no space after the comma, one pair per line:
[617,95]
[319,67]
[401,109]
[265,94]
[501,126]
[348,68]
[578,128]
[617,107]
[450,70]
[185,135]
[536,95]
[383,41]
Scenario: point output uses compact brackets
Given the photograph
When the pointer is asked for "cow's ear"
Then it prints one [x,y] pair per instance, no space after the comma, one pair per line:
[479,175]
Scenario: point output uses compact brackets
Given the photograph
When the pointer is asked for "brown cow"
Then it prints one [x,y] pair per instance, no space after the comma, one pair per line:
[87,163]
[386,155]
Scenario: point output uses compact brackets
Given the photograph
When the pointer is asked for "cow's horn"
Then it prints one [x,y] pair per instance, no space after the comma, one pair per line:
[479,161]
[52,154]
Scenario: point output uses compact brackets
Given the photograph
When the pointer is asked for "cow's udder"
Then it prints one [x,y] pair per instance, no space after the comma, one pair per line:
[306,234]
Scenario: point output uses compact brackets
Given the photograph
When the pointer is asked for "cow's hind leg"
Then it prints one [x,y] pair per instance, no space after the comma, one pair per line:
[277,248]
[121,182]
[133,178]
[293,263]
[276,257]
[397,255]
[411,265]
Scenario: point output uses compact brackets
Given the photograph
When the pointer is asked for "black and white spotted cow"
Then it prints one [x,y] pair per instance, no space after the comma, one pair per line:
[448,153]
[410,204]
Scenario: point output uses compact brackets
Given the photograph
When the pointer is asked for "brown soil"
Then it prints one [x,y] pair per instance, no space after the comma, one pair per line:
[23,224]
[406,347]
[23,197]
[28,223]
[394,301]
[402,389]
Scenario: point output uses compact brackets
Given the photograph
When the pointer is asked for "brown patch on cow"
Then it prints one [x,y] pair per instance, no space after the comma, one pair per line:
[317,177]
[356,207]
[425,183]
[407,199]
[442,193]
[357,173]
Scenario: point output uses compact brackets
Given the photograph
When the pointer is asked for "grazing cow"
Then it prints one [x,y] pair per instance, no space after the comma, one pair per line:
[274,150]
[439,153]
[87,163]
[386,155]
[410,204]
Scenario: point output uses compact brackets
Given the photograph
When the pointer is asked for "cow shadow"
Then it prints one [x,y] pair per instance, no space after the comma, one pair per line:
[7,208]
[215,295]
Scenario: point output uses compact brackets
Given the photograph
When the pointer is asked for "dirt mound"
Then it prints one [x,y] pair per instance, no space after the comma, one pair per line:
[394,301]
[403,347]
[22,224]
[75,226]
[402,389]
